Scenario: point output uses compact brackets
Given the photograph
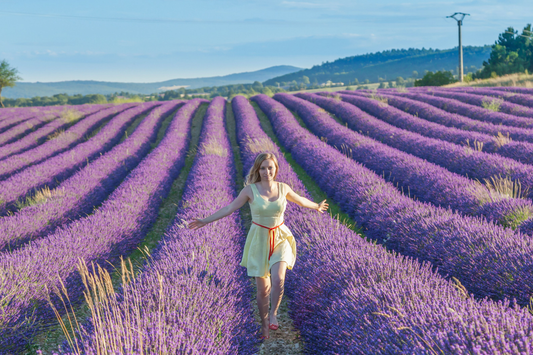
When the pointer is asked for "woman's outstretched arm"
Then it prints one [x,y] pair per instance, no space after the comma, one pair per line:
[304,202]
[244,196]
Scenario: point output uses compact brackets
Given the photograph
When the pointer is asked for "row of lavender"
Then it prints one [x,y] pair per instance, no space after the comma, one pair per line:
[36,122]
[424,180]
[48,173]
[15,117]
[90,186]
[459,129]
[203,306]
[501,144]
[66,140]
[462,111]
[351,296]
[471,110]
[492,100]
[65,119]
[11,115]
[457,158]
[516,95]
[114,229]
[488,259]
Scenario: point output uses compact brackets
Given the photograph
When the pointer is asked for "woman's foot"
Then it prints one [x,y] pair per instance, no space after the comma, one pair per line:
[274,325]
[265,331]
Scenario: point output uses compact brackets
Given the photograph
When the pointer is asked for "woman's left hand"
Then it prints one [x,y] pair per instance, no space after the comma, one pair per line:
[322,206]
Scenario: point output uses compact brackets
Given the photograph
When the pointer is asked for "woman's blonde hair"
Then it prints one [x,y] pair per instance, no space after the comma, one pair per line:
[253,176]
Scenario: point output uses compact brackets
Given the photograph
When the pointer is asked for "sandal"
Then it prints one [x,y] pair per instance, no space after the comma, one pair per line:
[273,326]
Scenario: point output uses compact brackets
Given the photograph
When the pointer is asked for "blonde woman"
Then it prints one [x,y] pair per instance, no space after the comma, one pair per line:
[270,247]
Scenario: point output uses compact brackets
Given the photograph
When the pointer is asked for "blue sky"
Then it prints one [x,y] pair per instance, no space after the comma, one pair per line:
[148,41]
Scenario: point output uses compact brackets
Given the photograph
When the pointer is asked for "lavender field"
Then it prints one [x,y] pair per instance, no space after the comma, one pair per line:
[432,253]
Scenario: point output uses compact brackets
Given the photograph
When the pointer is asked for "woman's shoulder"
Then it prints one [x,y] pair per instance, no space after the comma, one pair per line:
[247,188]
[286,188]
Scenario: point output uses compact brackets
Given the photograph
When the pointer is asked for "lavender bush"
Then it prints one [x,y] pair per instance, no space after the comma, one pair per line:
[463,160]
[35,138]
[24,114]
[65,140]
[23,128]
[204,306]
[54,170]
[422,179]
[90,186]
[349,296]
[520,96]
[474,112]
[29,273]
[488,259]
[494,138]
[489,100]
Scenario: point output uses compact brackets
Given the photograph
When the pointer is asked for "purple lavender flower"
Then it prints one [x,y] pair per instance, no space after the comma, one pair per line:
[488,259]
[112,230]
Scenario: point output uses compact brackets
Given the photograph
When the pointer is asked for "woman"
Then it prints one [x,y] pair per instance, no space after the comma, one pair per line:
[270,247]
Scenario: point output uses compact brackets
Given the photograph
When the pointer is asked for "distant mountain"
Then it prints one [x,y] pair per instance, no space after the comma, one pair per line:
[388,65]
[85,87]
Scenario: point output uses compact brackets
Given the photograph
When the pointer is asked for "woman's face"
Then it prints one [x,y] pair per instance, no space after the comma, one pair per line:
[267,170]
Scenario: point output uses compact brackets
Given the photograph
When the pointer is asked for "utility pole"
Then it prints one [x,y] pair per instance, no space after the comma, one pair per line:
[459,16]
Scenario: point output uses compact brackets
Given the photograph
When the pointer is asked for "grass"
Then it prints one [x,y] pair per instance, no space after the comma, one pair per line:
[493,105]
[371,86]
[132,127]
[48,341]
[316,192]
[245,212]
[124,100]
[38,197]
[70,115]
[95,131]
[518,79]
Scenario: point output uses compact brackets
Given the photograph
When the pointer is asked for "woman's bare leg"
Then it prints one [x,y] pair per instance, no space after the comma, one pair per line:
[277,275]
[263,293]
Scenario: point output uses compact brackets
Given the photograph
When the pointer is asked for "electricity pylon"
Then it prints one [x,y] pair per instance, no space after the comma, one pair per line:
[459,19]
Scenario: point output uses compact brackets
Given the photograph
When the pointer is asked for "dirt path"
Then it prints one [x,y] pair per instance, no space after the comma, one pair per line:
[286,340]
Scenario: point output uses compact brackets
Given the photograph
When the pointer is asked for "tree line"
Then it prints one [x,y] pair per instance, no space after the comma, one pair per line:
[511,53]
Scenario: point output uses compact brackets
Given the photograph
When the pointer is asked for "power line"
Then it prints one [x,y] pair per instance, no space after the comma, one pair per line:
[516,34]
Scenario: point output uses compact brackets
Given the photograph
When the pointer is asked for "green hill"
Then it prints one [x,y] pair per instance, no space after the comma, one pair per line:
[86,87]
[388,65]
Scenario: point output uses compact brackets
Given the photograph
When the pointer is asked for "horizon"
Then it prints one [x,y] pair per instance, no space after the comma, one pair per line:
[63,41]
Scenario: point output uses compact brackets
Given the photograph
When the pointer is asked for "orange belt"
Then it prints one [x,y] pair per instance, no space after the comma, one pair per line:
[271,235]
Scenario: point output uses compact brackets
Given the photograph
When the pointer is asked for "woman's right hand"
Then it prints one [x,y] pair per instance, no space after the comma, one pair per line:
[196,224]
